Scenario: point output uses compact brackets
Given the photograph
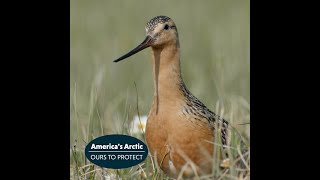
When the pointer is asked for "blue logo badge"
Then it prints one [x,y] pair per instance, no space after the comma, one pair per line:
[116,151]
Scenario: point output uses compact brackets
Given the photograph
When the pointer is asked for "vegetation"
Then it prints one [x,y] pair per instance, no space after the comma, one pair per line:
[106,96]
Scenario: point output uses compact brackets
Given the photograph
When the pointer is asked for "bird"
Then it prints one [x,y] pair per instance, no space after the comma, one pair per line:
[179,126]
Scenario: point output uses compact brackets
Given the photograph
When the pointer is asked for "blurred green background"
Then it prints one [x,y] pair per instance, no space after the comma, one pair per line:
[215,58]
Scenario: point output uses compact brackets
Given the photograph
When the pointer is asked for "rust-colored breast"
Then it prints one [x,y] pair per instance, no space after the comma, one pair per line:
[175,138]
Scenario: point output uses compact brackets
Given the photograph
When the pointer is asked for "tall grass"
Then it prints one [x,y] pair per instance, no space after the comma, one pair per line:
[215,47]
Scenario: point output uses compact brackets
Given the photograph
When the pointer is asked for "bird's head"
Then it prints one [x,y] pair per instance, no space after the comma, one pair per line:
[161,31]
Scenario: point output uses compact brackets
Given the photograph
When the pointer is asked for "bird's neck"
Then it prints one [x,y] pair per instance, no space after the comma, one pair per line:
[166,74]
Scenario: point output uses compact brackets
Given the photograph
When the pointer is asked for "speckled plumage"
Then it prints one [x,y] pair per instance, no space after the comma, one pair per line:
[198,109]
[154,22]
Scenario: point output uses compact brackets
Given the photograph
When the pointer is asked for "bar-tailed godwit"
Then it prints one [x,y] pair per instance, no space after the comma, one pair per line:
[179,126]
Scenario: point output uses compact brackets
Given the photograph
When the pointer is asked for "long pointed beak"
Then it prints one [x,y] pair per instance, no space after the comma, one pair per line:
[146,43]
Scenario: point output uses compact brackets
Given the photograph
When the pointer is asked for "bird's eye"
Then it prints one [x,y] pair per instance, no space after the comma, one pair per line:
[166,27]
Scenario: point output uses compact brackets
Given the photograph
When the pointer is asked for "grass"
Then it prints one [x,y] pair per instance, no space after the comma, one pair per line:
[215,46]
[238,151]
